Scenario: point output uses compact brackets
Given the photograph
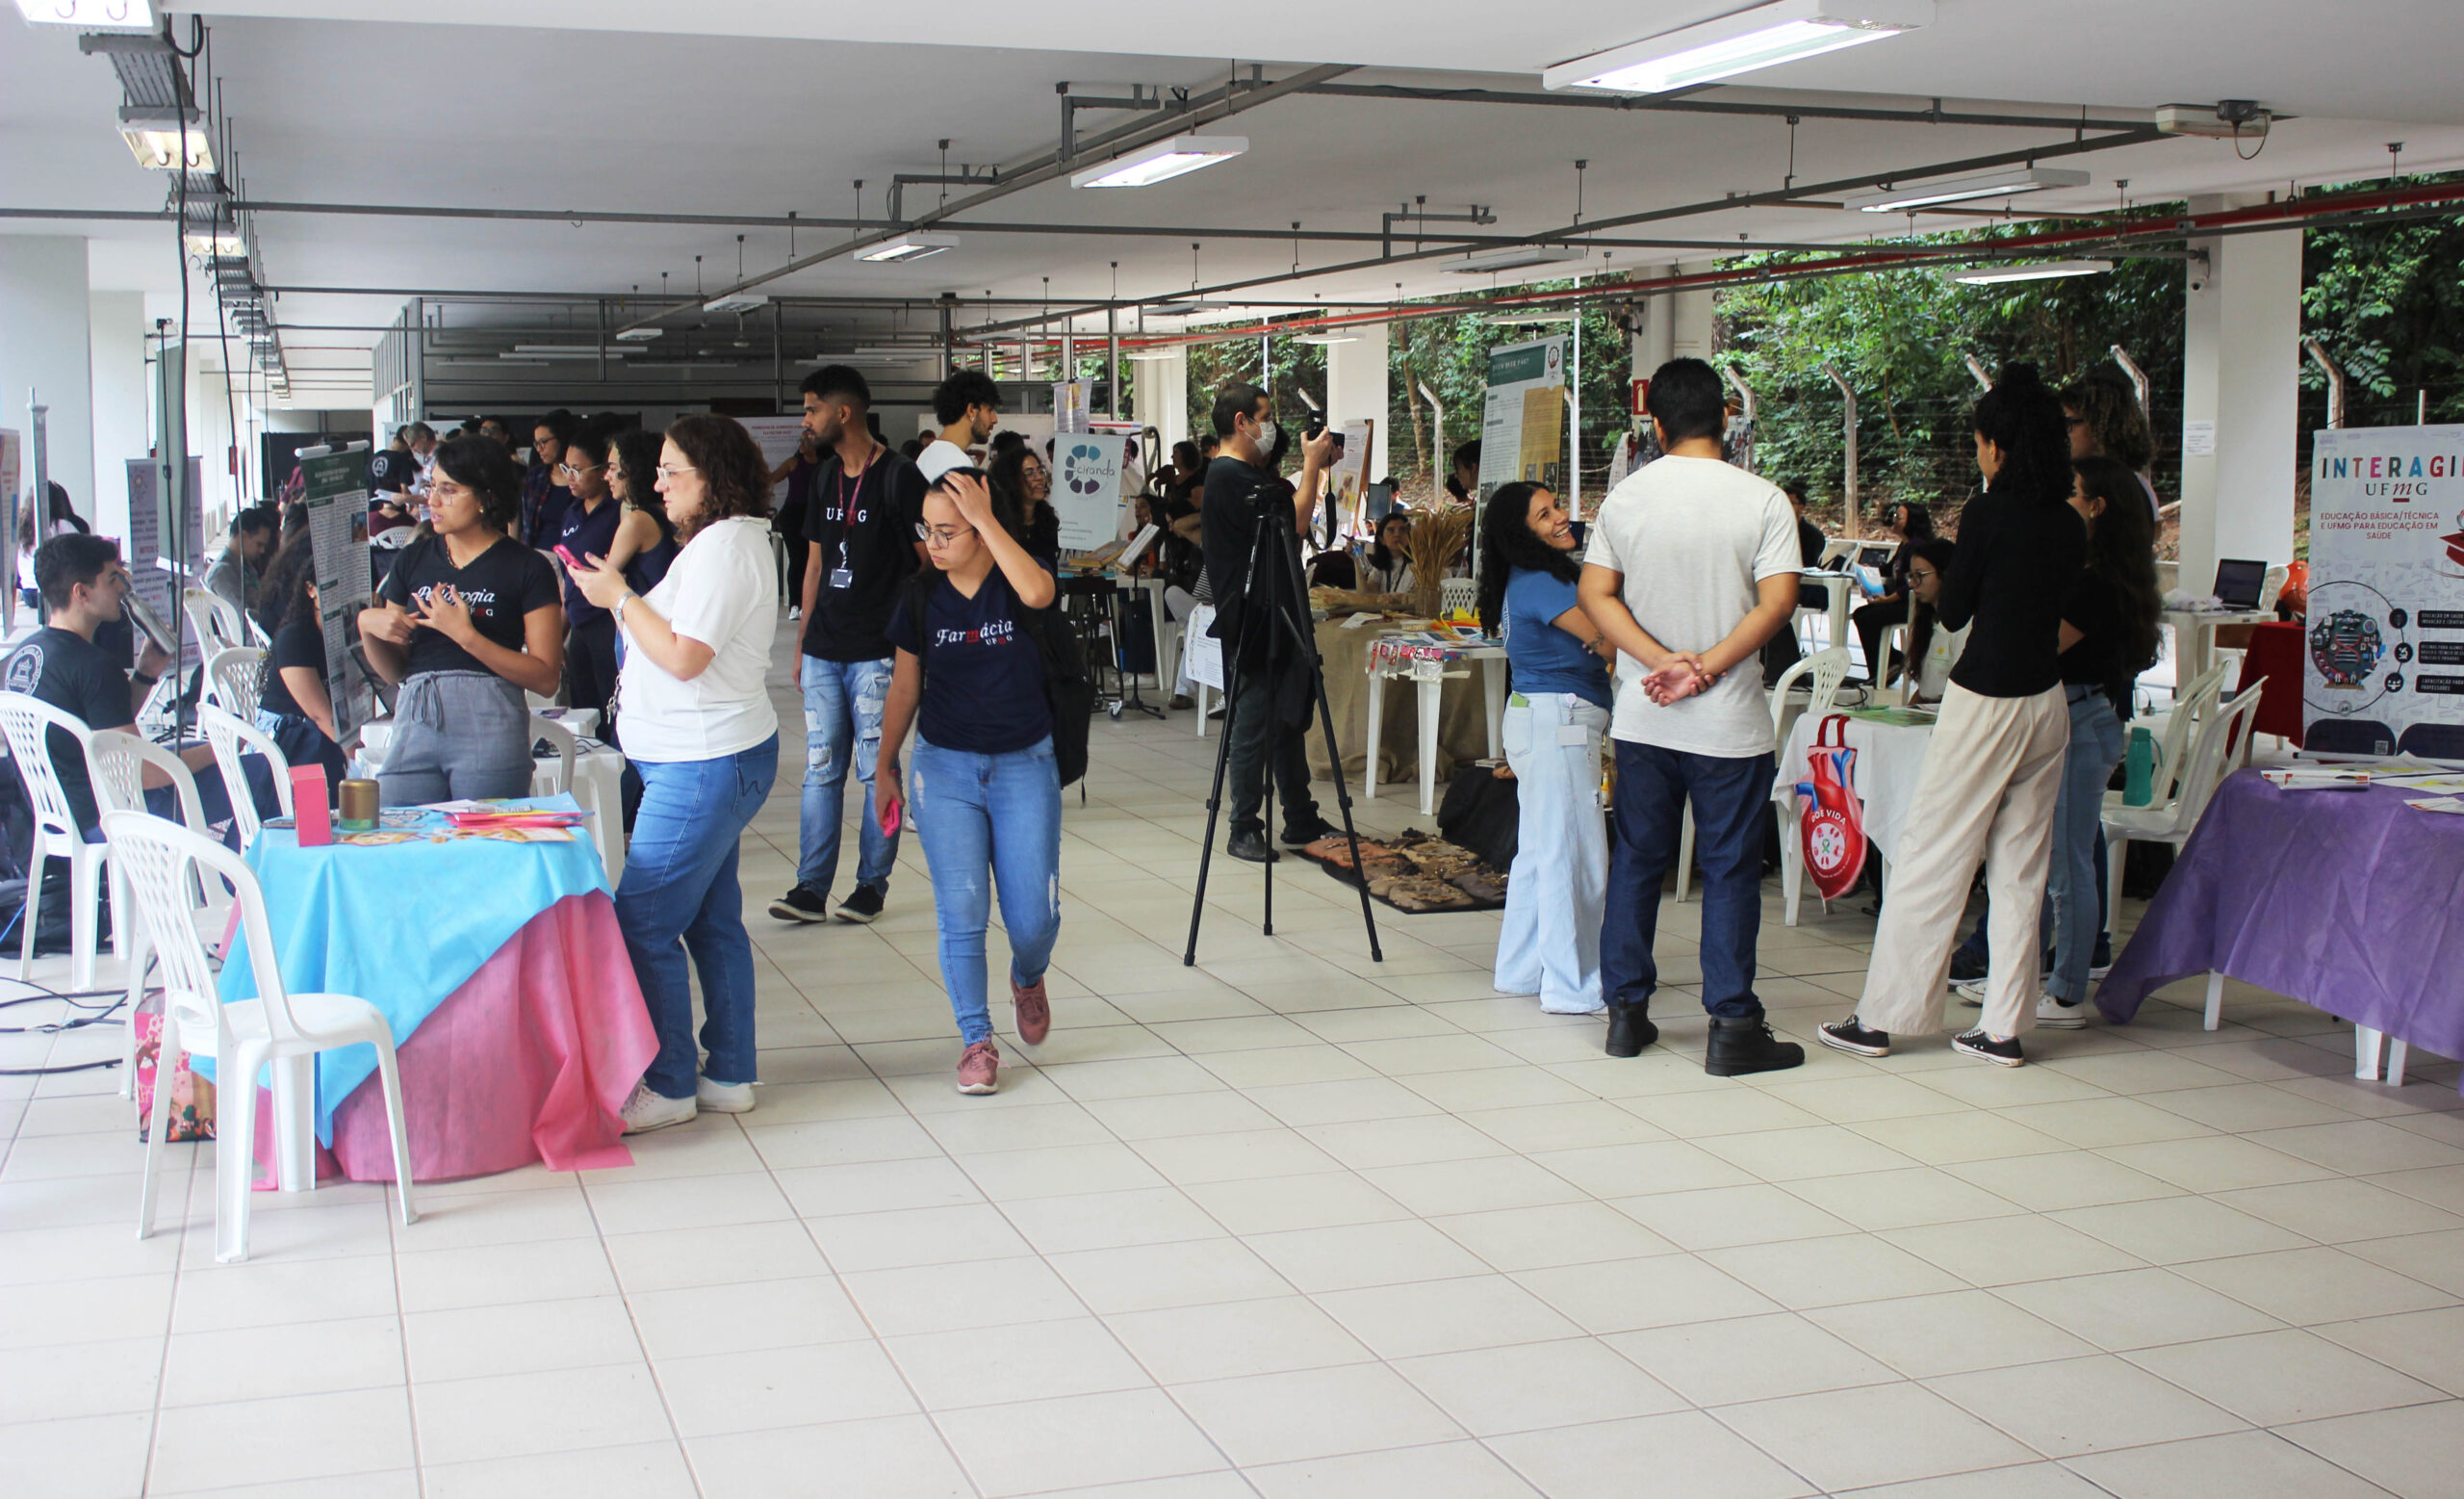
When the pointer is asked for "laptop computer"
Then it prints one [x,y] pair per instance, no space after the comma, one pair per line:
[2239,582]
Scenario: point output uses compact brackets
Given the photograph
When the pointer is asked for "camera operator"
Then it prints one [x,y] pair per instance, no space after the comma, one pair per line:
[1269,678]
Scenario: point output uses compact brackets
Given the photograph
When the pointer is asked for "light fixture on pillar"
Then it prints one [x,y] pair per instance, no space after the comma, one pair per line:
[1903,198]
[1763,35]
[903,247]
[90,14]
[163,139]
[2026,270]
[1161,162]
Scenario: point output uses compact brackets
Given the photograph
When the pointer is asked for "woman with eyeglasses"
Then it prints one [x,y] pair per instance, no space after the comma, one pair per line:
[645,539]
[1933,647]
[1022,471]
[969,676]
[588,528]
[468,621]
[701,733]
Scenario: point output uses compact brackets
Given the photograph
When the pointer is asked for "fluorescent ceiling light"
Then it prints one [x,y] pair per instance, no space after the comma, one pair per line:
[563,352]
[907,247]
[90,14]
[220,243]
[1151,355]
[1761,36]
[1516,320]
[683,364]
[161,139]
[1164,158]
[1182,307]
[2031,270]
[740,302]
[1327,338]
[1515,259]
[639,335]
[1901,198]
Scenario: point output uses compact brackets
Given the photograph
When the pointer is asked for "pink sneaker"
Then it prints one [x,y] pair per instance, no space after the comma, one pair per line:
[980,1069]
[1034,1011]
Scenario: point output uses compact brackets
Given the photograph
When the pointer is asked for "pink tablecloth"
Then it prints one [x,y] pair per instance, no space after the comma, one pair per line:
[530,1060]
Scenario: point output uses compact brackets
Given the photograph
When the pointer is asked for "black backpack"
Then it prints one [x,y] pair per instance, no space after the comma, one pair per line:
[1068,688]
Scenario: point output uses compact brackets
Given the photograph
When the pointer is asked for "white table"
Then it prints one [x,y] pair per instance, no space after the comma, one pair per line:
[1890,760]
[1429,674]
[2194,635]
[598,785]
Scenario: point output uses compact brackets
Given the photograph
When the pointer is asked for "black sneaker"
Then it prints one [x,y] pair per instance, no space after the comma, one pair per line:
[1251,847]
[1964,967]
[1849,1036]
[804,903]
[863,905]
[1302,835]
[2000,1050]
[1630,1030]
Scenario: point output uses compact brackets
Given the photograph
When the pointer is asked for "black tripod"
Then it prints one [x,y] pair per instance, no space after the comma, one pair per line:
[1266,619]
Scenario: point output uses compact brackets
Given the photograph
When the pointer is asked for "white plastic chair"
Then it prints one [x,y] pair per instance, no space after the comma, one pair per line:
[120,760]
[231,738]
[1822,672]
[235,679]
[2193,702]
[28,723]
[218,624]
[566,746]
[2171,820]
[161,862]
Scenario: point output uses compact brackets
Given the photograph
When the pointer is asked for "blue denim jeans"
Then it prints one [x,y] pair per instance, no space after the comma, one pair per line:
[2074,904]
[842,727]
[989,820]
[1728,794]
[679,896]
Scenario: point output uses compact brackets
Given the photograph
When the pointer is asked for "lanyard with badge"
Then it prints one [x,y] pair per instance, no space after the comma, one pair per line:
[843,576]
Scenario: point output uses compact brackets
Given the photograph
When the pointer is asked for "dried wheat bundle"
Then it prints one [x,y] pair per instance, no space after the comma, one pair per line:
[1437,539]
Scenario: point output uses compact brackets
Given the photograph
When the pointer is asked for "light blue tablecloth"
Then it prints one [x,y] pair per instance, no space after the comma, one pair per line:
[401,926]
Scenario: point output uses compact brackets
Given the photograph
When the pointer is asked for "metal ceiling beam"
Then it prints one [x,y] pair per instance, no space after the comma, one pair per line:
[1695,105]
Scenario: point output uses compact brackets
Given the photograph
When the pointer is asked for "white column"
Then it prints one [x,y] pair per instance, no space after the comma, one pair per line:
[122,430]
[43,345]
[2241,354]
[1691,322]
[1161,393]
[1358,389]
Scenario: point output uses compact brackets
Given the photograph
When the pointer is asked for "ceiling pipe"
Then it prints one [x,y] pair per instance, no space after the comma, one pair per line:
[1689,104]
[1233,99]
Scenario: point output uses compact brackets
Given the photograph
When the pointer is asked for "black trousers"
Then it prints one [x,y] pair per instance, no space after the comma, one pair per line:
[1263,721]
[590,662]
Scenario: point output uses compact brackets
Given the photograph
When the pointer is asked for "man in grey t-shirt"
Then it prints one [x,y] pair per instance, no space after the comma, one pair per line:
[1692,566]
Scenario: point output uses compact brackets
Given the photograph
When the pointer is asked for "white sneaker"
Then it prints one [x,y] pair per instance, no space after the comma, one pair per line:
[1971,990]
[795,611]
[2053,1014]
[724,1097]
[646,1111]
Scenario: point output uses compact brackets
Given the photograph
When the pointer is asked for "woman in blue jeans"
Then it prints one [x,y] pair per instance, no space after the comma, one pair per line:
[986,793]
[2108,639]
[701,733]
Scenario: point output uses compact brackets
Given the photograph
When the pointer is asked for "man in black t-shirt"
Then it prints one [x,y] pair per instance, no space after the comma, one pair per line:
[1269,676]
[83,582]
[861,517]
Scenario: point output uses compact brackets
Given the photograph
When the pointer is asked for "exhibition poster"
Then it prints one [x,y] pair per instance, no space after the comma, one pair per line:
[1086,487]
[158,580]
[1522,421]
[2384,666]
[777,437]
[336,485]
[1348,481]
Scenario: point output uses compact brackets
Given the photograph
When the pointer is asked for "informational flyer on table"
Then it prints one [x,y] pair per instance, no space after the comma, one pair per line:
[2384,668]
[156,582]
[1522,422]
[1086,487]
[336,485]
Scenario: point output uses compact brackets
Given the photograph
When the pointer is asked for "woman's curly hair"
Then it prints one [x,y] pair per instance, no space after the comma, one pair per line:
[731,465]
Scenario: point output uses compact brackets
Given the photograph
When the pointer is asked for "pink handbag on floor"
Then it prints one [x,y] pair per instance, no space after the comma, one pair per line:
[1830,823]
[192,1097]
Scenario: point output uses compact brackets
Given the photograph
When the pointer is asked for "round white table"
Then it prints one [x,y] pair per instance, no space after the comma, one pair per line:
[1426,666]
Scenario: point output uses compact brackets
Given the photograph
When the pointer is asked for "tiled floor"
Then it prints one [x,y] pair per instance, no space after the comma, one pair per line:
[1293,1223]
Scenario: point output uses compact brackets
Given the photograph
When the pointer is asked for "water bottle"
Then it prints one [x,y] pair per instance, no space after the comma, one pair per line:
[2139,769]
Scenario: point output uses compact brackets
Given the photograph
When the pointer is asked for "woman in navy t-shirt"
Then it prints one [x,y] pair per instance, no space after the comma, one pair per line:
[987,794]
[1558,888]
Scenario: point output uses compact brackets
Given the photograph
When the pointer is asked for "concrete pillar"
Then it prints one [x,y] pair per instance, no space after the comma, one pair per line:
[123,429]
[1358,387]
[2241,356]
[1160,394]
[1691,322]
[43,345]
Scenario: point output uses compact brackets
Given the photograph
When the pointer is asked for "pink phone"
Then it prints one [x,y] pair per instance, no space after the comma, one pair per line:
[571,560]
[890,819]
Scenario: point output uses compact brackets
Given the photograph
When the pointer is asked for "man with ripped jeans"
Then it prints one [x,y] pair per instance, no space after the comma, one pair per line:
[861,520]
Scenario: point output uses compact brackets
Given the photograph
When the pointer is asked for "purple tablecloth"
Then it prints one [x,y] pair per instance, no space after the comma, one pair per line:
[2349,900]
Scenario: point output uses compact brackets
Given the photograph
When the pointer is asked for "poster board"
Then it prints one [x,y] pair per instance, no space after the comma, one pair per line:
[1072,403]
[1086,488]
[1523,418]
[2383,664]
[11,475]
[1348,481]
[336,485]
[157,578]
[776,435]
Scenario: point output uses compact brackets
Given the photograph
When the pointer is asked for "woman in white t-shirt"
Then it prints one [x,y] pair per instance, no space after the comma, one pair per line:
[702,734]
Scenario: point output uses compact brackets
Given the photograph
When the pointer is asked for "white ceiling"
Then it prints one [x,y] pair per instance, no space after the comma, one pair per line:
[613,105]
